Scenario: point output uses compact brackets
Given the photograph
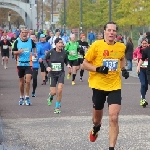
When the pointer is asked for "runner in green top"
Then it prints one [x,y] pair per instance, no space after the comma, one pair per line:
[72,48]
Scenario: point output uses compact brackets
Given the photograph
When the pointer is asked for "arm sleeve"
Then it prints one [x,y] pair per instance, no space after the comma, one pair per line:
[144,54]
[9,44]
[135,53]
[47,56]
[66,47]
[50,47]
[15,46]
[42,53]
[66,58]
[50,41]
[91,53]
[33,44]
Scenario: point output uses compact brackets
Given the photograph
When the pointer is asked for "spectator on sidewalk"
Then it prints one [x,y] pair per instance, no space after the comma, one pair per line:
[91,37]
[140,38]
[129,53]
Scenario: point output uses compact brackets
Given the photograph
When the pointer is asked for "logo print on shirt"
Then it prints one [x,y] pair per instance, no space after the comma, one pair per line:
[106,53]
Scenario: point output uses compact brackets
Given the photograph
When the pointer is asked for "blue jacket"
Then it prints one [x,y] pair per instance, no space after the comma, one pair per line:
[65,38]
[91,36]
[45,47]
[17,33]
[40,54]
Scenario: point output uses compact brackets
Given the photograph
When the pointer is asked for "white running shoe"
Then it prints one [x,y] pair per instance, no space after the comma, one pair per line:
[5,67]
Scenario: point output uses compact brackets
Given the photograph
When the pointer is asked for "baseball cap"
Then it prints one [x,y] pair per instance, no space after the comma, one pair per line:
[42,36]
[57,30]
[57,40]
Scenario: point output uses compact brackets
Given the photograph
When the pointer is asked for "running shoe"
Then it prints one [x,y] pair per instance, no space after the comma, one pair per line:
[33,94]
[81,79]
[93,136]
[49,100]
[46,79]
[73,83]
[68,76]
[44,83]
[143,103]
[21,101]
[27,101]
[57,111]
[5,67]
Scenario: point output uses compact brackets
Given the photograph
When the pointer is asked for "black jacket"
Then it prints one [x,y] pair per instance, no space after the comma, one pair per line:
[129,51]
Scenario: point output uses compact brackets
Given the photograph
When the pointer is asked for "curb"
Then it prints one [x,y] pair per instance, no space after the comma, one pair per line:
[2,147]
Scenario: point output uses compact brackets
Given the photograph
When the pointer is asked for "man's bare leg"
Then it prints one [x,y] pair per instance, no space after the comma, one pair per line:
[114,110]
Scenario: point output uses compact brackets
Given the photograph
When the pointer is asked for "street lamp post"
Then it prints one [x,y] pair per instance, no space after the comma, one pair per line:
[81,20]
[42,15]
[37,20]
[52,15]
[110,9]
[9,16]
[64,15]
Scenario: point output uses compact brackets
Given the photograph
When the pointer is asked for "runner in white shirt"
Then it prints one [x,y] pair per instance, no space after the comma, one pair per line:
[52,39]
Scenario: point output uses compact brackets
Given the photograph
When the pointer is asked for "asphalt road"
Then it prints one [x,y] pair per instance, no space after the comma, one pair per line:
[36,127]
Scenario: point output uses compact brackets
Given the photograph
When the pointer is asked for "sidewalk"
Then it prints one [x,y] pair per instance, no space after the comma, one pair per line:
[133,73]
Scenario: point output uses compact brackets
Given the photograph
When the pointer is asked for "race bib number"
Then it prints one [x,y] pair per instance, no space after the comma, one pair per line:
[73,53]
[25,49]
[112,64]
[34,58]
[80,56]
[5,46]
[56,67]
[145,64]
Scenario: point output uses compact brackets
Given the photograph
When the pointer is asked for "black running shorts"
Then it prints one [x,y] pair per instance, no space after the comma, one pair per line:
[99,98]
[73,62]
[22,71]
[43,69]
[80,60]
[5,54]
[55,78]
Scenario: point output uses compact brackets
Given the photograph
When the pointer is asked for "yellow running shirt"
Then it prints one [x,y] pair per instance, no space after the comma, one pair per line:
[102,54]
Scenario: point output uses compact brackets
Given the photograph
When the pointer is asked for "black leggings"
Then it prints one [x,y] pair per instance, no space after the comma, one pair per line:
[34,76]
[43,69]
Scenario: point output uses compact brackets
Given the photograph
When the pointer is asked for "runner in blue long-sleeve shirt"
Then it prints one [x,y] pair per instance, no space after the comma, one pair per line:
[35,62]
[45,47]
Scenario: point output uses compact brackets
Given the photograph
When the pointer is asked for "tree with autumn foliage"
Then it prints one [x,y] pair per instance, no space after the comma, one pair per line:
[124,12]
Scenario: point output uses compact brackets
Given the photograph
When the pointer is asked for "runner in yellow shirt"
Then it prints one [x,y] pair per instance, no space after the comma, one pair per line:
[105,60]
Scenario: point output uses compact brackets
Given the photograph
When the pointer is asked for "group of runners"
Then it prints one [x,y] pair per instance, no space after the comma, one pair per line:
[31,54]
[104,59]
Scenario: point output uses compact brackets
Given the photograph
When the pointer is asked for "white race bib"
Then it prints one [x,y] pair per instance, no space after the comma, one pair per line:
[25,49]
[145,64]
[112,64]
[5,46]
[56,67]
[34,58]
[73,53]
[80,56]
